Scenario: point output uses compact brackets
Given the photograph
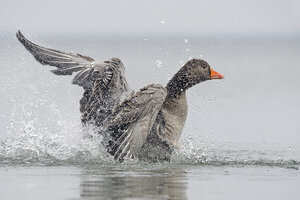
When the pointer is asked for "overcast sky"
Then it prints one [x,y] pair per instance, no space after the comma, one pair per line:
[151,16]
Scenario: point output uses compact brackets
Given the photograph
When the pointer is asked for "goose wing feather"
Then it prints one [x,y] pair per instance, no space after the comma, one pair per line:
[133,120]
[103,82]
[66,63]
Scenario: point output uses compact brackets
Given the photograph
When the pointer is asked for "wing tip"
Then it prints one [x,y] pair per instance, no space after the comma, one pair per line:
[23,40]
[20,36]
[18,33]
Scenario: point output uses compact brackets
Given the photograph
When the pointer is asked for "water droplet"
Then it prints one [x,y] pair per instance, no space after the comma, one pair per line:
[201,56]
[59,123]
[169,76]
[158,63]
[181,62]
[187,49]
[145,39]
[162,22]
[186,40]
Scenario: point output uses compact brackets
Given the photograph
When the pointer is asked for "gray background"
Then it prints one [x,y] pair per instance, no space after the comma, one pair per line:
[131,17]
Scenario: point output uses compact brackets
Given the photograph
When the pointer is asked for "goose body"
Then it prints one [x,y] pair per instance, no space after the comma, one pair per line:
[146,124]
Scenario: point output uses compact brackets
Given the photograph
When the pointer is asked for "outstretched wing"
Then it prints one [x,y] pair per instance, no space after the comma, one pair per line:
[66,63]
[133,120]
[104,83]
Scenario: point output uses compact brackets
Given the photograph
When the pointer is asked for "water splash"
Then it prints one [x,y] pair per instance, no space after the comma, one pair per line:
[75,145]
[28,142]
[41,146]
[211,154]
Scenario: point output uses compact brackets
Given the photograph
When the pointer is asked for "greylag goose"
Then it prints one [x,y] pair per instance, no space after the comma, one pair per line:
[146,124]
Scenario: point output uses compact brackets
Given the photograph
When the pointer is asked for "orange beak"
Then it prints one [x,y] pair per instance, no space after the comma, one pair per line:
[215,75]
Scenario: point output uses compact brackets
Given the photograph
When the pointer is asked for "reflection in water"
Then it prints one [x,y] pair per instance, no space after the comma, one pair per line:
[110,183]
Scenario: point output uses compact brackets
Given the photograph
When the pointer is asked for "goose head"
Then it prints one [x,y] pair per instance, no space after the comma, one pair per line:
[192,73]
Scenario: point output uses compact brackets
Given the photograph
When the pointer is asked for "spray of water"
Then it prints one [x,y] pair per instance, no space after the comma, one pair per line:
[75,145]
[40,133]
